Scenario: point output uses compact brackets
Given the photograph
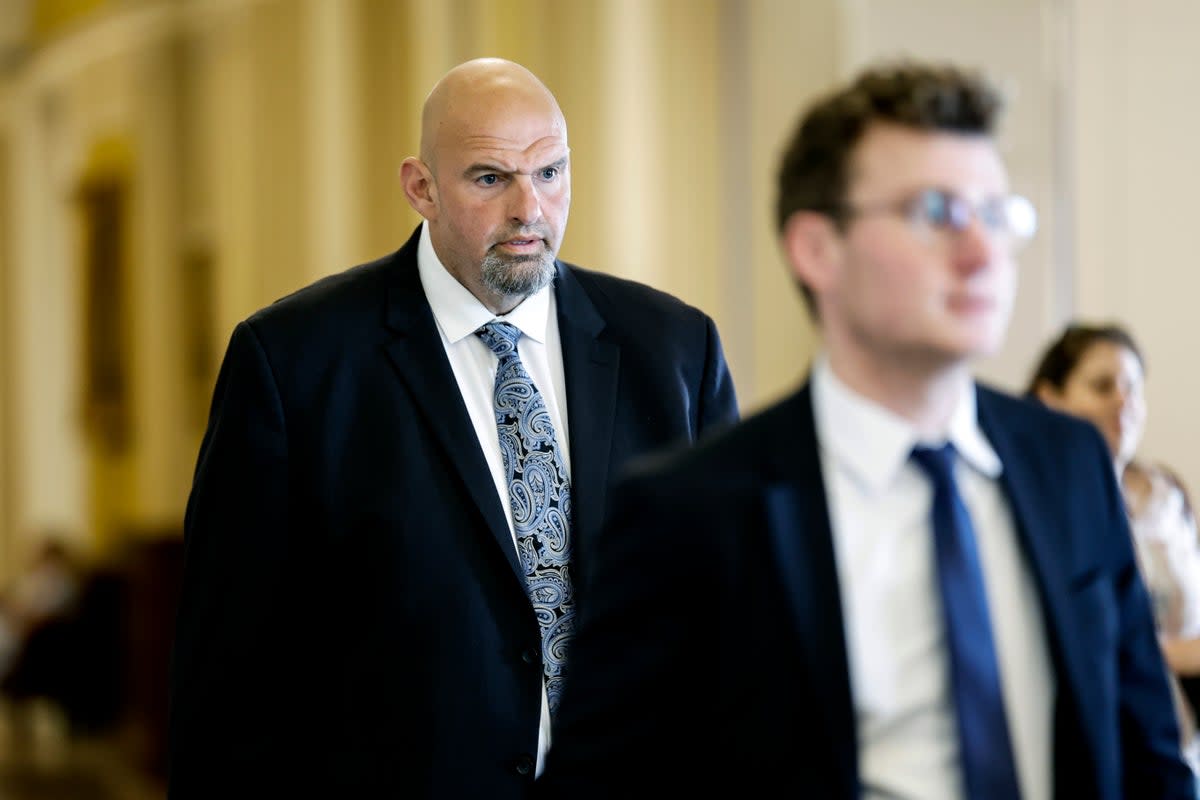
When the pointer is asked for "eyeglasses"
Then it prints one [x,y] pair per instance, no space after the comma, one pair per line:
[1008,217]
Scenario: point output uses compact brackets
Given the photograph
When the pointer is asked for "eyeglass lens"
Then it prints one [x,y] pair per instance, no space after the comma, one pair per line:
[1008,214]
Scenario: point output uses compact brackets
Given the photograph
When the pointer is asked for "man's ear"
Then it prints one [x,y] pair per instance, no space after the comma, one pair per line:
[813,248]
[417,180]
[1045,391]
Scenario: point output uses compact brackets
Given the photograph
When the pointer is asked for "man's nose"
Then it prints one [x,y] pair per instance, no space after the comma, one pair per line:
[526,205]
[975,246]
[1124,395]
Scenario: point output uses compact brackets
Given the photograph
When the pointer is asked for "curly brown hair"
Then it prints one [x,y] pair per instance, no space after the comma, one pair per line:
[814,169]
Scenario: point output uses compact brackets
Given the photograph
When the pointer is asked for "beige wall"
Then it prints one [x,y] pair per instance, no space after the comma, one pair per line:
[792,53]
[265,136]
[1135,167]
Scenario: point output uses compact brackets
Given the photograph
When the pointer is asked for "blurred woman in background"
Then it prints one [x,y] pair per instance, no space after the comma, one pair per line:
[1097,372]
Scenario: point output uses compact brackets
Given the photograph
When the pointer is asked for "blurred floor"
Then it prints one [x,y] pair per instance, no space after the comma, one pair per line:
[45,764]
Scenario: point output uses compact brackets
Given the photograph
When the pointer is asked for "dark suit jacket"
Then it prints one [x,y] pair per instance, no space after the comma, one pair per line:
[353,620]
[711,655]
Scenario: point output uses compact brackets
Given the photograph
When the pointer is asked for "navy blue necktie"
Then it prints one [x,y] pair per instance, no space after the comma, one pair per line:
[540,494]
[986,749]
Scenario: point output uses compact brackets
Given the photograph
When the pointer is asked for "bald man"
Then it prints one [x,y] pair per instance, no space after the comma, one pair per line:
[374,520]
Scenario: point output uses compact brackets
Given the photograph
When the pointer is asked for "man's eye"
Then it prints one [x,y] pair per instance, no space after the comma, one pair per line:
[934,208]
[549,173]
[488,180]
[994,213]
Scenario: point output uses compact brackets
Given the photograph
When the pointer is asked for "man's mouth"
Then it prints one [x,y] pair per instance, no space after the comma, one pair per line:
[522,245]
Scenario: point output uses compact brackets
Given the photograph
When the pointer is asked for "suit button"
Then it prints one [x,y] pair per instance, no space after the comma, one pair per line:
[524,765]
[529,656]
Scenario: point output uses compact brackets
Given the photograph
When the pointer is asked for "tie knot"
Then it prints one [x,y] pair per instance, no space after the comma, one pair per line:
[501,337]
[936,462]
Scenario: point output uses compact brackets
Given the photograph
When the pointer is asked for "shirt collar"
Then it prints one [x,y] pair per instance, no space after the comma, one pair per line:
[873,444]
[459,313]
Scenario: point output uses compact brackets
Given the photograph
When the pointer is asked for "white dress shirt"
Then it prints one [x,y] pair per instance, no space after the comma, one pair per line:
[459,314]
[879,506]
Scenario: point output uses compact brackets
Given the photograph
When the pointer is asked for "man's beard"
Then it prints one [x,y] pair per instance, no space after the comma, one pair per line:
[517,275]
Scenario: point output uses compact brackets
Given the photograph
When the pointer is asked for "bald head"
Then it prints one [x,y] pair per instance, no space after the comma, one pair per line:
[479,91]
[493,181]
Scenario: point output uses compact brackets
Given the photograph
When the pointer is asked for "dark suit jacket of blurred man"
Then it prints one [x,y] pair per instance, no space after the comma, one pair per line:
[362,599]
[744,689]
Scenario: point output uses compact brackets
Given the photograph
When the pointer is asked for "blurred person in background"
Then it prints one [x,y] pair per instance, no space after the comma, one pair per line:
[1097,372]
[50,585]
[10,638]
[405,468]
[897,582]
[39,633]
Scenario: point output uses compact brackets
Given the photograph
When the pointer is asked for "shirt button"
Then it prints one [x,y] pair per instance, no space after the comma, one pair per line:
[524,765]
[529,656]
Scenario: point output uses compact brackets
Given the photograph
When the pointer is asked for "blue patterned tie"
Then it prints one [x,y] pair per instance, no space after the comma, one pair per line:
[986,750]
[540,494]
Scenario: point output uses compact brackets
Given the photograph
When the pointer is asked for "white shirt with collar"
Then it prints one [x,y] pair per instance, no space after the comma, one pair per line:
[879,508]
[458,315]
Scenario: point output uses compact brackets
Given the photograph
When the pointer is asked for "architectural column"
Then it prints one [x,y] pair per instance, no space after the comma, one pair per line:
[334,120]
[8,454]
[157,353]
[635,197]
[44,298]
[795,52]
[230,98]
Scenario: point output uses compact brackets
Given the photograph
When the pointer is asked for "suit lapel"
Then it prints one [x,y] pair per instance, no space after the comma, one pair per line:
[799,534]
[1025,490]
[1037,499]
[419,357]
[590,367]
